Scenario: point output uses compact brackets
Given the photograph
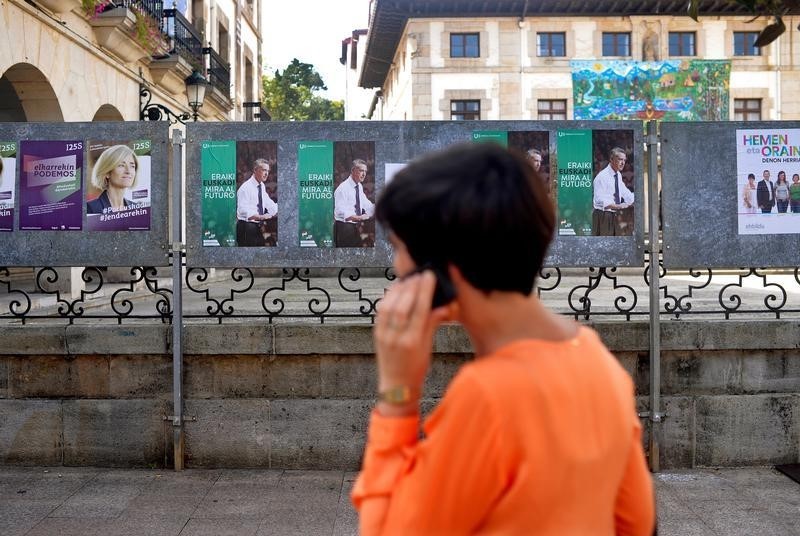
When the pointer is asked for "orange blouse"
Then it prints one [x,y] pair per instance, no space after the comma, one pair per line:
[537,438]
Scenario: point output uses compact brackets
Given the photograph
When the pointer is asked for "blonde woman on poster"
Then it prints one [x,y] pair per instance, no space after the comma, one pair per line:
[114,173]
[749,200]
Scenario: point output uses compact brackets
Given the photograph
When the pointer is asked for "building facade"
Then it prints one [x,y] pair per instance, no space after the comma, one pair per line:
[86,60]
[445,60]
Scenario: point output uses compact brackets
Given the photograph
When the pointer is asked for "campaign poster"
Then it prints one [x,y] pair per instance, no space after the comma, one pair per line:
[118,192]
[51,185]
[595,182]
[315,207]
[8,175]
[534,145]
[337,193]
[218,200]
[256,193]
[574,179]
[354,194]
[496,136]
[768,181]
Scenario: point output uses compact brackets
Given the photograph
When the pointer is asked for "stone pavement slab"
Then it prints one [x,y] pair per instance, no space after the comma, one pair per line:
[68,501]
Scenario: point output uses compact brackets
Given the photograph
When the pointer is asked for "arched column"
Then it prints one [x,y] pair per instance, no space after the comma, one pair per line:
[32,93]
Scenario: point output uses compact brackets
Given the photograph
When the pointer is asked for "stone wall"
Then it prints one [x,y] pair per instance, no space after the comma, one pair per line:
[298,396]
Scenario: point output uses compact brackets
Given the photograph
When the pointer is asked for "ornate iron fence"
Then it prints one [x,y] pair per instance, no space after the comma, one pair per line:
[352,294]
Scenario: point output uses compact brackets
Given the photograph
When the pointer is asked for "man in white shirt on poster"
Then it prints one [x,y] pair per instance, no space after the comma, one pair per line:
[254,206]
[351,207]
[611,196]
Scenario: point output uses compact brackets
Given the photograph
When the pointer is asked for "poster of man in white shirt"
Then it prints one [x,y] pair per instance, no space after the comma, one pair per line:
[611,196]
[354,211]
[256,210]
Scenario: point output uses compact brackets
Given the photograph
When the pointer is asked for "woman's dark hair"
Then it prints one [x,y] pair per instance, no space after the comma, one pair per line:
[781,174]
[477,206]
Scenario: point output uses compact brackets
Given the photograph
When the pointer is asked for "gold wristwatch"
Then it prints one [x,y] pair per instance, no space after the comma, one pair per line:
[399,394]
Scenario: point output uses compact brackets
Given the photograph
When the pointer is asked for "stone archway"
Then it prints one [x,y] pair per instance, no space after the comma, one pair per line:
[26,95]
[107,112]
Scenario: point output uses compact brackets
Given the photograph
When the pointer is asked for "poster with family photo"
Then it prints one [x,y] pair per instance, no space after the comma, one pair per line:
[768,181]
[118,192]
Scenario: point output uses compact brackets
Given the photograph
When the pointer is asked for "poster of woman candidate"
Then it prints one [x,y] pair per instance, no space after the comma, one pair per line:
[118,191]
[239,181]
[768,181]
[51,185]
[337,193]
[8,175]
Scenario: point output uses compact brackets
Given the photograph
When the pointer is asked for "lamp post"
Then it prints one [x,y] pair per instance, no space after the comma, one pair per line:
[195,92]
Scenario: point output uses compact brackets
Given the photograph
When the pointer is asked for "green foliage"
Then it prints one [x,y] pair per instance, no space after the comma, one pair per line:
[290,95]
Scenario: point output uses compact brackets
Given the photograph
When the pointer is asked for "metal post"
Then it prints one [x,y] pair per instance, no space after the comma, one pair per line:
[655,414]
[177,306]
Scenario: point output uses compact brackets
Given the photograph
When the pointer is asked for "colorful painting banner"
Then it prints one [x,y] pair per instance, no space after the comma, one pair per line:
[118,192]
[315,175]
[574,180]
[671,90]
[768,181]
[51,185]
[8,176]
[496,136]
[218,183]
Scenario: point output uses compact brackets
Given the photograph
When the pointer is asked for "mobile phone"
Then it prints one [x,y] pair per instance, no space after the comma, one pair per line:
[444,292]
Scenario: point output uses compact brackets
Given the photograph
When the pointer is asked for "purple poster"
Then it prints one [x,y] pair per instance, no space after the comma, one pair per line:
[8,176]
[118,187]
[51,185]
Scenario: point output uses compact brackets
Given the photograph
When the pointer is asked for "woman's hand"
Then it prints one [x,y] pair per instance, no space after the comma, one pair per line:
[404,331]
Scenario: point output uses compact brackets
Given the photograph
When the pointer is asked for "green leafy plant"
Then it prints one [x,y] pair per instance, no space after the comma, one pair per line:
[147,33]
[775,9]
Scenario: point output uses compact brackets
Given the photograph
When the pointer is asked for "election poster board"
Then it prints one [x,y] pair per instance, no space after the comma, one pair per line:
[51,185]
[336,189]
[118,190]
[768,181]
[585,181]
[8,176]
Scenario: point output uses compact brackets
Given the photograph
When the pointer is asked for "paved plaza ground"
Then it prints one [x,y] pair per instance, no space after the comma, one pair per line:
[71,501]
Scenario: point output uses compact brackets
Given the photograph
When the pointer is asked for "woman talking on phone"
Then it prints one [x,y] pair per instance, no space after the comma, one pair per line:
[539,434]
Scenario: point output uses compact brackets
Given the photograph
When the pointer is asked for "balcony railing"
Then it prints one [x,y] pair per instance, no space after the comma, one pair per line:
[186,40]
[218,72]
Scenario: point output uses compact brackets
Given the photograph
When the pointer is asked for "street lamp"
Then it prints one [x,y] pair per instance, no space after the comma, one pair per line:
[196,87]
[195,92]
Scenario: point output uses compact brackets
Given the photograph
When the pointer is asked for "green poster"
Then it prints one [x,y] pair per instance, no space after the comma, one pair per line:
[574,182]
[315,175]
[496,136]
[218,178]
